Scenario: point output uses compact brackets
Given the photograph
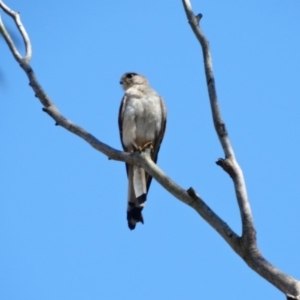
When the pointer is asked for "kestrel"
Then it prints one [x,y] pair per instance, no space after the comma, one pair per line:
[142,124]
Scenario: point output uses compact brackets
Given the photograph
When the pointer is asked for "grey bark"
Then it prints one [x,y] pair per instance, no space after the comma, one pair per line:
[245,245]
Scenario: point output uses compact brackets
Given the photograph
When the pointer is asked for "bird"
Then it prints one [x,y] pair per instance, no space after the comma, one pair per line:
[142,124]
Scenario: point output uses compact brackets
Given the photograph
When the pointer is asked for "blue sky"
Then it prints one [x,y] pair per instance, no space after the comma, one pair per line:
[63,228]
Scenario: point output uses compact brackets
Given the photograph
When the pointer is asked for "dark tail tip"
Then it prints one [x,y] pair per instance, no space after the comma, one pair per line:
[134,216]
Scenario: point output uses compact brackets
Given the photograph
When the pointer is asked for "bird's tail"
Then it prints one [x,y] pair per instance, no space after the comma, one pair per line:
[137,197]
[134,215]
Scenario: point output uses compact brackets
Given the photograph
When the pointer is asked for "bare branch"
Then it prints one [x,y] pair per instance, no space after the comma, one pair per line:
[244,246]
[247,249]
[190,198]
[235,170]
[16,17]
[143,159]
[9,41]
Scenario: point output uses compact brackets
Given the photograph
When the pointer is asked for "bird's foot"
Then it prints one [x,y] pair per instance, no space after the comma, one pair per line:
[143,148]
[136,149]
[148,145]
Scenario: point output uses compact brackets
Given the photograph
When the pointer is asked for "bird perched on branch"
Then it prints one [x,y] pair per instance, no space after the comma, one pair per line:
[142,124]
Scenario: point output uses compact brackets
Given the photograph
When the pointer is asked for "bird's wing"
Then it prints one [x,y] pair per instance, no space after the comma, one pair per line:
[120,122]
[159,136]
[120,118]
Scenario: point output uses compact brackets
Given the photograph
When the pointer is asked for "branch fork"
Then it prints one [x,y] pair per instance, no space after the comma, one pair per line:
[245,246]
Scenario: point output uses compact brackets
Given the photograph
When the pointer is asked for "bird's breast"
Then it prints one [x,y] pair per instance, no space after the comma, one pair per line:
[141,120]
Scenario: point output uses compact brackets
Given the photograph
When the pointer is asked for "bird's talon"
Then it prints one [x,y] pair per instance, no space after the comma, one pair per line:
[136,149]
[148,145]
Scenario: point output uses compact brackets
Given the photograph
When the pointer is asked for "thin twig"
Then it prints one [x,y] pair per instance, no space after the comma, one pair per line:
[16,17]
[9,41]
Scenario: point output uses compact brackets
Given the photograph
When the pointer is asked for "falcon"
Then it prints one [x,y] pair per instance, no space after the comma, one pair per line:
[142,124]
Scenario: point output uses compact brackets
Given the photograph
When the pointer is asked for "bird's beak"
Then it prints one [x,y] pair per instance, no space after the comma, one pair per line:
[121,82]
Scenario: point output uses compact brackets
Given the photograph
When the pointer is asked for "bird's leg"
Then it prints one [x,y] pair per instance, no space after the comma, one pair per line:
[136,149]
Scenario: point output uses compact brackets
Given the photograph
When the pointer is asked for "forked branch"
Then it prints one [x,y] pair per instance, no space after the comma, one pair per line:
[188,197]
[247,249]
[245,246]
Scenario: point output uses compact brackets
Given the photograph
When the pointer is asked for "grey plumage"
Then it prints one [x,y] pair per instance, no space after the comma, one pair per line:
[142,123]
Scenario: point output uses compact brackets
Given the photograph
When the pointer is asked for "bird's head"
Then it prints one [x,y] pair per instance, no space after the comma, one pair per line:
[130,79]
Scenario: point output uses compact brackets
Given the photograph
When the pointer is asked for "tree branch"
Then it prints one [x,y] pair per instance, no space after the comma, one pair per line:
[229,164]
[142,159]
[16,17]
[247,249]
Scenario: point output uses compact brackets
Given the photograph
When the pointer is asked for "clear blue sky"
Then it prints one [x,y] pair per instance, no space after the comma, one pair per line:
[63,231]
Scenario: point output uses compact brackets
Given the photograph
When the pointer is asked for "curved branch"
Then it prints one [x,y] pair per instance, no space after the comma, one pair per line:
[247,249]
[253,258]
[143,159]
